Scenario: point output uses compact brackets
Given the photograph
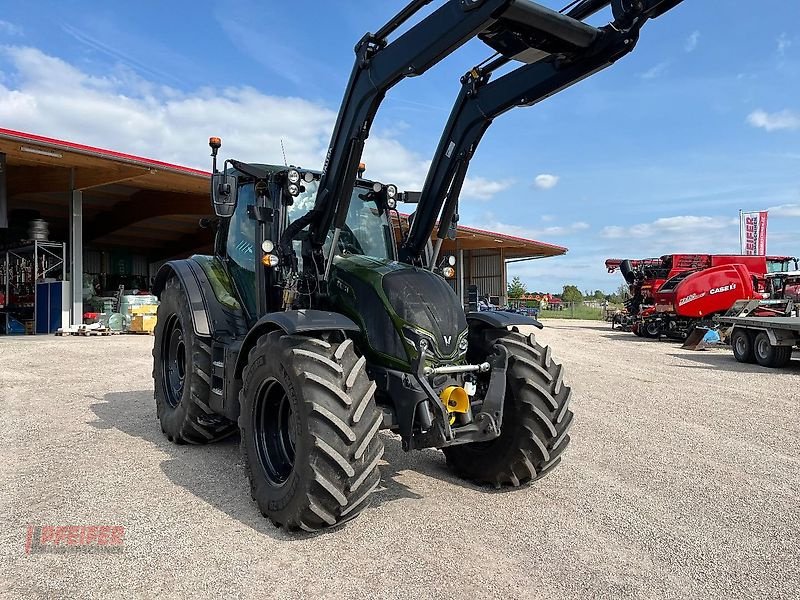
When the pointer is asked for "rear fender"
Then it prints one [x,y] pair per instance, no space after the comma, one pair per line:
[209,316]
[186,273]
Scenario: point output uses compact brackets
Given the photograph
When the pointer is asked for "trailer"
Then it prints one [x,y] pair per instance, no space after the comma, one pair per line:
[763,332]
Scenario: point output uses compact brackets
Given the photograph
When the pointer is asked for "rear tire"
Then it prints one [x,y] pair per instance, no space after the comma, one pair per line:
[181,374]
[742,344]
[768,355]
[536,416]
[309,427]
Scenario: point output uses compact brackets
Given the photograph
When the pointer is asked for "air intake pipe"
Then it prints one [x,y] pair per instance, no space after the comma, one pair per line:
[627,271]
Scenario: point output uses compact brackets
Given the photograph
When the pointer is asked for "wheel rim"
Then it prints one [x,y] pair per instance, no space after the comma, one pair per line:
[762,347]
[741,345]
[652,329]
[275,432]
[174,361]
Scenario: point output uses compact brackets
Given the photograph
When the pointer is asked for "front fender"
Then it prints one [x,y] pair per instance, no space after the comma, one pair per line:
[501,318]
[292,322]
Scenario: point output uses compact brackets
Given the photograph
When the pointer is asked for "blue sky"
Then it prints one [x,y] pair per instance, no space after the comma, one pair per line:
[654,155]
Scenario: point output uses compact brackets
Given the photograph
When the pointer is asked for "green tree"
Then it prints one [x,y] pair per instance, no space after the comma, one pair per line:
[599,295]
[619,296]
[516,289]
[571,293]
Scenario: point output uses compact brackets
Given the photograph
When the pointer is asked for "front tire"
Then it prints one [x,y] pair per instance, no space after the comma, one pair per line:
[536,415]
[181,374]
[309,427]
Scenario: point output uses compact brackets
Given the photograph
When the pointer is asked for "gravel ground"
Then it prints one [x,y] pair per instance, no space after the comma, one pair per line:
[681,481]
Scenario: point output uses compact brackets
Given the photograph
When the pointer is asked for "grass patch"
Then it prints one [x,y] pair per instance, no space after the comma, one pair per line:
[577,312]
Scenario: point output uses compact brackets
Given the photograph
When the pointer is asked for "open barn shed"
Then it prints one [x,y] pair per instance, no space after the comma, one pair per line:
[113,218]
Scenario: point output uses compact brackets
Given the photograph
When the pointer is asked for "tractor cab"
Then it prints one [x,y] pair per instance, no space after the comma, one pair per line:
[272,198]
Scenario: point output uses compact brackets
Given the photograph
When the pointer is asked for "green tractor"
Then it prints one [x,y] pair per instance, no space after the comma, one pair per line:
[318,321]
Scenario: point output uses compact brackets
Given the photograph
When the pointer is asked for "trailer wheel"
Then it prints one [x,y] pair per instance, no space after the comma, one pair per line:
[536,416]
[768,355]
[742,344]
[309,426]
[181,374]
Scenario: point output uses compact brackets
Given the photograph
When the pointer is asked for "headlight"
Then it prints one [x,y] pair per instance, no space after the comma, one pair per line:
[376,187]
[293,189]
[449,272]
[308,177]
[391,202]
[293,176]
[423,345]
[391,191]
[267,246]
[463,344]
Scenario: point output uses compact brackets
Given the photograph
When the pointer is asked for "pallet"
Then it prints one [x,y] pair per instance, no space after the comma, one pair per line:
[139,332]
[87,332]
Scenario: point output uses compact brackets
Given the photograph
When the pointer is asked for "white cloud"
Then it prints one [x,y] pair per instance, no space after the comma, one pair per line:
[478,188]
[546,181]
[785,119]
[656,71]
[551,233]
[784,43]
[685,233]
[547,218]
[669,225]
[692,41]
[785,210]
[122,111]
[9,28]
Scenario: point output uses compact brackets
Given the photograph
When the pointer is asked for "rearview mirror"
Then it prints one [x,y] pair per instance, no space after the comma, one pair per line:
[410,197]
[223,194]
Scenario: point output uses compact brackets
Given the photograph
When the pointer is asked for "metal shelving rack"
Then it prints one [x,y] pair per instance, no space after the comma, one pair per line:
[27,264]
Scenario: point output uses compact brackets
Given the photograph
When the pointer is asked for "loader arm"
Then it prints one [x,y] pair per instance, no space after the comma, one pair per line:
[380,64]
[480,101]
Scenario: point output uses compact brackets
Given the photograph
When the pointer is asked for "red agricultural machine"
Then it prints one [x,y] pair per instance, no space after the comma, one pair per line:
[673,294]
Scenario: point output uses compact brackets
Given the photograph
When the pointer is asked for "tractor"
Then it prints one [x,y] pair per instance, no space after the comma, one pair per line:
[317,323]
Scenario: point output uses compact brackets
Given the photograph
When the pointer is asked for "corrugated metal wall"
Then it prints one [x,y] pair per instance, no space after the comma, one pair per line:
[92,262]
[486,272]
[95,262]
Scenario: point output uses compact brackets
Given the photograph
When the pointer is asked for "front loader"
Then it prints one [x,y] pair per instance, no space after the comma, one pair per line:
[312,327]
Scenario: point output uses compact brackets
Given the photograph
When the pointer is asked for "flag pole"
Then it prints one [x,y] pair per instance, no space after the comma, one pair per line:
[740,232]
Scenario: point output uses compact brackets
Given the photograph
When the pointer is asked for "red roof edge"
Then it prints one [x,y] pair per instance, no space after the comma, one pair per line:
[512,237]
[33,138]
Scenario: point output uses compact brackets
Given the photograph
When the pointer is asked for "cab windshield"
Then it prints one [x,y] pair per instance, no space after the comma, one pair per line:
[367,230]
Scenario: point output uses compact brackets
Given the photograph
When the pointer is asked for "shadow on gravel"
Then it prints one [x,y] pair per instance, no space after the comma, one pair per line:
[627,336]
[719,361]
[215,473]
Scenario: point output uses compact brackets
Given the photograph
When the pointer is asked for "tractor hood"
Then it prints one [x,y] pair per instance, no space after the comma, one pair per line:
[397,306]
